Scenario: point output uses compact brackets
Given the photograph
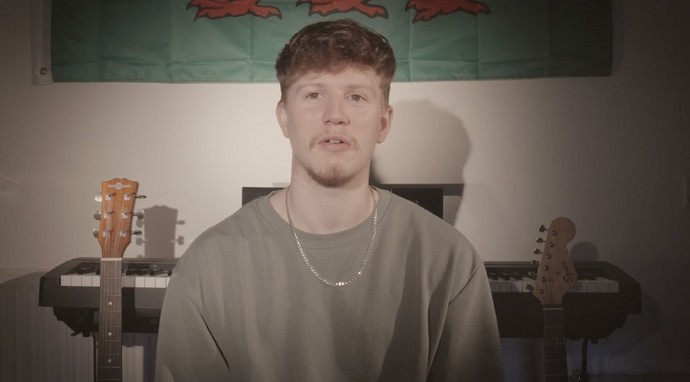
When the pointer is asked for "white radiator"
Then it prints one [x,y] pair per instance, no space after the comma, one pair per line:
[36,347]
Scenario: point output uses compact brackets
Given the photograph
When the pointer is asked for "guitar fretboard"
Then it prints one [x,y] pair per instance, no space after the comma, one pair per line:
[555,364]
[110,328]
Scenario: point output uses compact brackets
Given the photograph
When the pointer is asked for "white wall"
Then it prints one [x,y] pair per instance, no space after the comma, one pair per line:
[610,153]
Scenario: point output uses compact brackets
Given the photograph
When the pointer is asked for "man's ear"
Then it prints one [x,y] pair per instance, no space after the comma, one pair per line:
[282,117]
[385,127]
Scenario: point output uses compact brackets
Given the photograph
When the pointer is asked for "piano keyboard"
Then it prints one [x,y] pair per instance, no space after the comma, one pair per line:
[143,275]
[604,296]
[516,283]
[498,283]
[93,280]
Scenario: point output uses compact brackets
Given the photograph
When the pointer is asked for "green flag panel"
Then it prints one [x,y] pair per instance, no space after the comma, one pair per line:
[185,41]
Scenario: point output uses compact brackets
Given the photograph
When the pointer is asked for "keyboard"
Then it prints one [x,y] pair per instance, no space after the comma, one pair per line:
[600,303]
[604,297]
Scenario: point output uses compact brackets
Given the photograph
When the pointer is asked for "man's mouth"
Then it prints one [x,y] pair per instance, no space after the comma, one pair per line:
[334,142]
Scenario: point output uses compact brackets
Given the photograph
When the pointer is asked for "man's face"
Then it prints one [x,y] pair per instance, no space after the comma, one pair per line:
[334,121]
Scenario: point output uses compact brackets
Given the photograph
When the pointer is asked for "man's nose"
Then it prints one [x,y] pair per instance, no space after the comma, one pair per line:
[336,112]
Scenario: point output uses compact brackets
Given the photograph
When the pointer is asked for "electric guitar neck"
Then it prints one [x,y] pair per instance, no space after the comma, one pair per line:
[556,275]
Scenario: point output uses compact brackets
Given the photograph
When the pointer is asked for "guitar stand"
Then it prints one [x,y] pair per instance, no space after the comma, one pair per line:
[581,375]
[94,335]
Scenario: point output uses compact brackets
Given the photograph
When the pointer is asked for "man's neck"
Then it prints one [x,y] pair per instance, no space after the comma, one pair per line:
[322,210]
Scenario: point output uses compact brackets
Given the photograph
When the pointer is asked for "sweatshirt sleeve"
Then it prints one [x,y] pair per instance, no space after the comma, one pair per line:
[470,348]
[186,349]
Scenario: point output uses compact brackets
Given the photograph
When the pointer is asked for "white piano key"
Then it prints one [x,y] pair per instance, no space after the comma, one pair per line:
[65,280]
[139,282]
[161,281]
[607,285]
[149,282]
[88,280]
[128,281]
[76,280]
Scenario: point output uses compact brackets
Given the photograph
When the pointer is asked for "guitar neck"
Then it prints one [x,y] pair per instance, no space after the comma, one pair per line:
[555,362]
[109,358]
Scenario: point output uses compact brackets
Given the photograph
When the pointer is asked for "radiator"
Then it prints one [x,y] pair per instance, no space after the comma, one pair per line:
[36,347]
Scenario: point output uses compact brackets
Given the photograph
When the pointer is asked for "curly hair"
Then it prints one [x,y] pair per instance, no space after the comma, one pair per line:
[331,46]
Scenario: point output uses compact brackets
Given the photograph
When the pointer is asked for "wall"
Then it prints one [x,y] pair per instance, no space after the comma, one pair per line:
[611,153]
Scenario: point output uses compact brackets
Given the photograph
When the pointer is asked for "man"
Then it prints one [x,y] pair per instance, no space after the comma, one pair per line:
[330,279]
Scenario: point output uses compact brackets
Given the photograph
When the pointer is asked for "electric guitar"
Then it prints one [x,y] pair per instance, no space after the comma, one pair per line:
[114,235]
[555,276]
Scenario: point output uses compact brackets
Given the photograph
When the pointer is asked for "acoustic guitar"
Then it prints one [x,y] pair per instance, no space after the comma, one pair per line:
[114,235]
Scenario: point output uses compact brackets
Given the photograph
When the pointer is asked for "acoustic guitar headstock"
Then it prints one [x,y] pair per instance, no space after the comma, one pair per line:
[116,212]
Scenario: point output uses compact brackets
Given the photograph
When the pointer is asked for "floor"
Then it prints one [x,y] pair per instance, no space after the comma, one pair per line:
[639,378]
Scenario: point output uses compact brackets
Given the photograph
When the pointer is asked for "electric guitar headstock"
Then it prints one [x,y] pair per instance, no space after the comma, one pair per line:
[116,212]
[556,273]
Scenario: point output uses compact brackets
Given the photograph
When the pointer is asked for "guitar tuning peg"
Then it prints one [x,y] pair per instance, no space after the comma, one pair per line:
[537,251]
[94,232]
[98,198]
[542,228]
[140,197]
[97,215]
[137,232]
[139,214]
[540,240]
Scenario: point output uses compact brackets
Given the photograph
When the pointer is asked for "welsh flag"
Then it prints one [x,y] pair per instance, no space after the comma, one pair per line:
[179,41]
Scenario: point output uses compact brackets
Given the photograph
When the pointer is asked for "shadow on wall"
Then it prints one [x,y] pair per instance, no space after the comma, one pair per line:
[427,145]
[632,333]
[160,226]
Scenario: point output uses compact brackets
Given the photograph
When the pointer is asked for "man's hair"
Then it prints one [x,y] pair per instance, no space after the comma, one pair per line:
[331,46]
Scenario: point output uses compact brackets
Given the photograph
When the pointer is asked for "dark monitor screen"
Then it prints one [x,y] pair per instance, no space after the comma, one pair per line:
[429,197]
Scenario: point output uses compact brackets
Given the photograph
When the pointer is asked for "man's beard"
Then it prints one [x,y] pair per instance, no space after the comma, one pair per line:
[332,176]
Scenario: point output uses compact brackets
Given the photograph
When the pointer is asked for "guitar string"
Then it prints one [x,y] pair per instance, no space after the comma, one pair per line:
[112,344]
[109,271]
[105,285]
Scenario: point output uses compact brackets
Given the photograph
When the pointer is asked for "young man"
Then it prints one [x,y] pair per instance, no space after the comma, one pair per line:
[330,279]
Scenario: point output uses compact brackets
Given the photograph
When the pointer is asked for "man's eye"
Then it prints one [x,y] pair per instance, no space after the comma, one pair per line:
[356,97]
[313,95]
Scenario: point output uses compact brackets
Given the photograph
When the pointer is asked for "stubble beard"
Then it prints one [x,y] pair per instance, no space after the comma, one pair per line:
[333,176]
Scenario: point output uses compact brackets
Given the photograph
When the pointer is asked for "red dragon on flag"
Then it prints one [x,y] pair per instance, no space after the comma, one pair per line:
[214,9]
[326,7]
[426,9]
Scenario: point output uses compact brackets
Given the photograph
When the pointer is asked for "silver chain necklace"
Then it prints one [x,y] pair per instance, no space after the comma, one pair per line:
[309,264]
